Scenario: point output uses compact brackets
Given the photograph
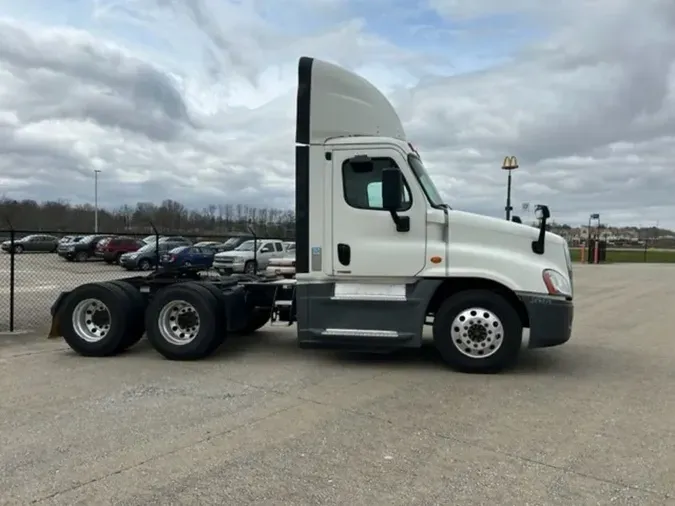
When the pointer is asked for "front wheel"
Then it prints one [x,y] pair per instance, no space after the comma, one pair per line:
[18,249]
[478,331]
[81,256]
[250,268]
[144,265]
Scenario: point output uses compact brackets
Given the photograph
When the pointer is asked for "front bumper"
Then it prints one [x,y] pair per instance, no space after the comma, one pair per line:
[550,319]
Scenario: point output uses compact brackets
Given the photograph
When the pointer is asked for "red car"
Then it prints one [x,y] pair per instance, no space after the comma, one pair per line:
[112,249]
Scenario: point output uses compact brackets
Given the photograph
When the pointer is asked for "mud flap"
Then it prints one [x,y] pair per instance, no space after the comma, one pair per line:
[55,329]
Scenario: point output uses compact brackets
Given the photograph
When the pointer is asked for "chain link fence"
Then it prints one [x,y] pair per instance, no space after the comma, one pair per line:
[36,265]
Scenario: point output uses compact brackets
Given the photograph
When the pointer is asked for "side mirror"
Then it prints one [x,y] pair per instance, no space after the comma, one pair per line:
[392,189]
[541,212]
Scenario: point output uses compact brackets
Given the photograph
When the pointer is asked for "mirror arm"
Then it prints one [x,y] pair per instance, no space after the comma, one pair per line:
[402,222]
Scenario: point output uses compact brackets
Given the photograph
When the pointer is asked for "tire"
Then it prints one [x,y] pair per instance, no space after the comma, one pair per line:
[222,310]
[203,303]
[76,330]
[489,321]
[136,314]
[81,256]
[116,260]
[250,268]
[109,262]
[19,249]
[256,320]
[144,264]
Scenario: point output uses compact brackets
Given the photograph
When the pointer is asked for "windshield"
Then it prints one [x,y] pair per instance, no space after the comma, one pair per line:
[88,238]
[247,246]
[177,250]
[147,247]
[427,184]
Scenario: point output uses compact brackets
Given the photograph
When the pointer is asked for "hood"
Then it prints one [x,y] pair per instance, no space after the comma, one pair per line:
[500,227]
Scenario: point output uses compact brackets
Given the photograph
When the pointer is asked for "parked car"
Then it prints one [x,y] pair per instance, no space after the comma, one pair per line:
[145,258]
[189,256]
[175,241]
[234,242]
[111,249]
[34,242]
[282,267]
[69,238]
[82,250]
[244,259]
[151,239]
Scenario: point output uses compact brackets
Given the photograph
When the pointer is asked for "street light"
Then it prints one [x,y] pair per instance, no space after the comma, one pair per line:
[96,173]
[510,164]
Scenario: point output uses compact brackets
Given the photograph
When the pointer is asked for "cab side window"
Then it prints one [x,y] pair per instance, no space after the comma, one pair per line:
[362,183]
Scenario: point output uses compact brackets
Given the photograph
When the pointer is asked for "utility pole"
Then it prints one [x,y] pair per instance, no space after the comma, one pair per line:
[96,173]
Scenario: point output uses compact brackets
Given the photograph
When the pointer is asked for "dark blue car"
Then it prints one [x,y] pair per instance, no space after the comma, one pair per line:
[189,256]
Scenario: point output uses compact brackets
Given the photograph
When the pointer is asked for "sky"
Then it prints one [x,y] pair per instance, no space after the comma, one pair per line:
[194,100]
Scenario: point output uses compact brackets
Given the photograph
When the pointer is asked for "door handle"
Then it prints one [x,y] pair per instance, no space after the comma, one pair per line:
[344,253]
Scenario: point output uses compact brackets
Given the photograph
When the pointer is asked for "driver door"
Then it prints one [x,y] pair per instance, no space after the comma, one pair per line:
[365,241]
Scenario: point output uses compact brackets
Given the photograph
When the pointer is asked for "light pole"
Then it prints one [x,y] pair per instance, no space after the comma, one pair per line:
[510,164]
[96,173]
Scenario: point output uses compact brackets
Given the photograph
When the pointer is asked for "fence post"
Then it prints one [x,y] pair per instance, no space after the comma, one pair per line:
[12,274]
[156,232]
[255,247]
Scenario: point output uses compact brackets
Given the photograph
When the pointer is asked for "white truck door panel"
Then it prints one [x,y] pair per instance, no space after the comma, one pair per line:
[363,228]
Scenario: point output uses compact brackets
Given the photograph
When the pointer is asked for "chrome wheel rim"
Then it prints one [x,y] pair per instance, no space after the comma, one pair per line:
[179,322]
[477,333]
[91,320]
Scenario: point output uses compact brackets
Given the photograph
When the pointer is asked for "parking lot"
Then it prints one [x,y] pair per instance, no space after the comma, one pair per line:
[262,422]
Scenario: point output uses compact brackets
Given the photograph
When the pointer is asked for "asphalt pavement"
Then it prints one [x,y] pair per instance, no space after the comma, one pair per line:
[264,423]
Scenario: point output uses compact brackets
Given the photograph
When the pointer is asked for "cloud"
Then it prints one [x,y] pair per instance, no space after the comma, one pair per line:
[194,100]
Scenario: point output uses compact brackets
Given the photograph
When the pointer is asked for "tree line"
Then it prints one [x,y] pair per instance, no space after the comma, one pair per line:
[170,216]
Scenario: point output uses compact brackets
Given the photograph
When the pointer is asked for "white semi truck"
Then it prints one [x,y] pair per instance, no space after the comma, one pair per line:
[379,255]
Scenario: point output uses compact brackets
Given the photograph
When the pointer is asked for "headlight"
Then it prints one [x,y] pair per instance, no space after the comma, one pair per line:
[556,283]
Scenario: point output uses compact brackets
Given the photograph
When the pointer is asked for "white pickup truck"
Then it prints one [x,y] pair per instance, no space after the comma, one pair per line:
[249,258]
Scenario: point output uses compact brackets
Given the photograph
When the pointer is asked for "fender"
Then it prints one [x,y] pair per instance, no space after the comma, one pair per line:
[55,328]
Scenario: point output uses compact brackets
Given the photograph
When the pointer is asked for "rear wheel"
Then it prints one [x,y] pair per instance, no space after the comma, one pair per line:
[93,319]
[185,322]
[478,331]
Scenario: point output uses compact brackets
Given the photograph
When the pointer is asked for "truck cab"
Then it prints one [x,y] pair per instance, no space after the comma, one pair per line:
[379,253]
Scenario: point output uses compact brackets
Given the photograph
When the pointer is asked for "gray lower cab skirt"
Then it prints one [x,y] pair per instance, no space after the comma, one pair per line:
[361,322]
